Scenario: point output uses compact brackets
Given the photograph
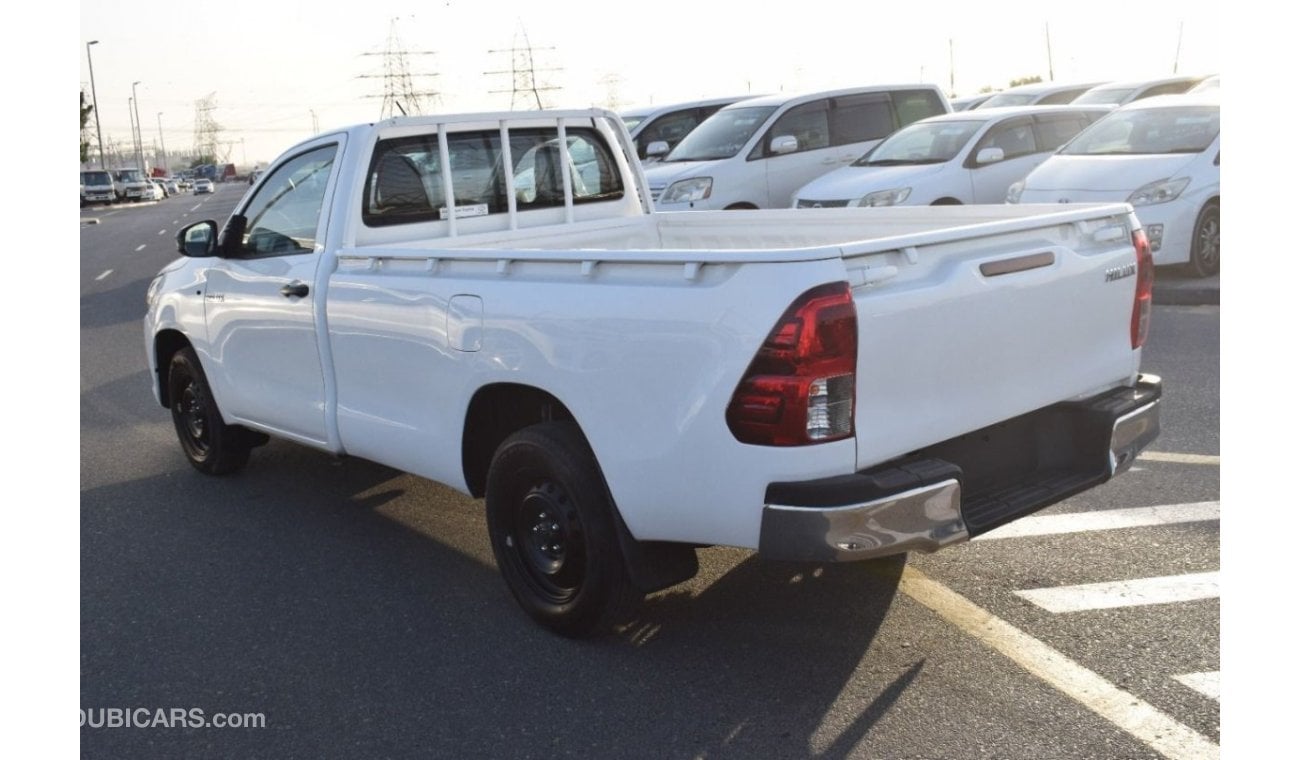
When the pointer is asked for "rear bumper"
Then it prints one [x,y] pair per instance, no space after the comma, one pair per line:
[958,489]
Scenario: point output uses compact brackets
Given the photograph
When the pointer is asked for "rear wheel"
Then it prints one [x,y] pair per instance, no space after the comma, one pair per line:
[552,526]
[1204,261]
[211,446]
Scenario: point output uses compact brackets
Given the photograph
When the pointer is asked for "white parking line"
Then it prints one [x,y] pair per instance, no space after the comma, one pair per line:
[1137,718]
[196,208]
[140,247]
[162,232]
[1131,593]
[1108,519]
[106,273]
[1206,684]
[1162,456]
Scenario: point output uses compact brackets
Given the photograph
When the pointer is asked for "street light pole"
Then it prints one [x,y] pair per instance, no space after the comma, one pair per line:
[139,135]
[162,142]
[130,113]
[94,101]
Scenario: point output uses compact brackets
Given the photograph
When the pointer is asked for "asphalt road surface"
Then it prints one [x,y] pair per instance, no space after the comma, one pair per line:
[349,610]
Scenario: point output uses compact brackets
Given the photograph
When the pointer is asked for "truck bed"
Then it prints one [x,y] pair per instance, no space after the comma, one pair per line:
[741,236]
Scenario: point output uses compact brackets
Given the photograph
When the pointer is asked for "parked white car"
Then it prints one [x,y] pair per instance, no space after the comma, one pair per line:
[756,153]
[1122,93]
[968,102]
[1162,156]
[669,124]
[1208,84]
[1037,94]
[958,158]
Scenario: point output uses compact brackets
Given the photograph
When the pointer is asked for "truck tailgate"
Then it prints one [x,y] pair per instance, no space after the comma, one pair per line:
[965,332]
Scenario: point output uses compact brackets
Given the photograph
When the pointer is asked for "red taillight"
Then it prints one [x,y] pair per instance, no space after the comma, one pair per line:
[1146,278]
[800,387]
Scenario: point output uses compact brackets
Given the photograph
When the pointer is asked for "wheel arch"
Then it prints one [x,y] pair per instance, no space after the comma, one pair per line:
[494,413]
[165,345]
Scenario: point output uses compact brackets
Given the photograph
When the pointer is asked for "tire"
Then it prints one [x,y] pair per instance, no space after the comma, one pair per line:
[1203,258]
[212,446]
[552,526]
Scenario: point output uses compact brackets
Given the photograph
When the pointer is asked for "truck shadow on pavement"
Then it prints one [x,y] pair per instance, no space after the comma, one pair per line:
[358,609]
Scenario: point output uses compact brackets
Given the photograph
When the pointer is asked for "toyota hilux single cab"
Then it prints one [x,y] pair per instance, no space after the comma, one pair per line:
[492,302]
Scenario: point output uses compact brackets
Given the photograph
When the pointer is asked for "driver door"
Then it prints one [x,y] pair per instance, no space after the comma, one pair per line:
[261,306]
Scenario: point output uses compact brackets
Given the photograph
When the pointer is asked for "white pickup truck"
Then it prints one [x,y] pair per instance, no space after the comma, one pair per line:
[625,386]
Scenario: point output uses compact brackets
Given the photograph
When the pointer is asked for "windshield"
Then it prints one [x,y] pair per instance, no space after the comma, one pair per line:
[1010,99]
[722,135]
[925,143]
[1186,129]
[1110,97]
[95,178]
[130,175]
[631,121]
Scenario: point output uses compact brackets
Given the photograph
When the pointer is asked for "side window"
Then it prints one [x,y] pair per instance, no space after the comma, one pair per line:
[914,105]
[405,181]
[859,118]
[282,218]
[807,123]
[1015,138]
[1055,131]
[670,128]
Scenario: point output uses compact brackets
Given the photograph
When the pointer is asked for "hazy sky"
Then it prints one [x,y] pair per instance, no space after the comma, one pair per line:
[270,65]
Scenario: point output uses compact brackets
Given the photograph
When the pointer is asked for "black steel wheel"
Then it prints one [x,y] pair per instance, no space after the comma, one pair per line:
[553,531]
[1204,260]
[212,446]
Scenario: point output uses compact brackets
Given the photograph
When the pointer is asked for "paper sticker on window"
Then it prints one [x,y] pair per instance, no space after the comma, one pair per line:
[477,209]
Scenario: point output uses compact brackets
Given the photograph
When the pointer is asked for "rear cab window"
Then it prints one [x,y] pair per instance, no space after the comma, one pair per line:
[405,181]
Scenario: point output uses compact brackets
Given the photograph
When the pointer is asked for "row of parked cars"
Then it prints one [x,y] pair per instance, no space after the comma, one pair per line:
[120,185]
[905,145]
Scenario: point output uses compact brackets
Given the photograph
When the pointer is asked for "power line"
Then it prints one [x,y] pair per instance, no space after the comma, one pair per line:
[523,73]
[207,132]
[400,94]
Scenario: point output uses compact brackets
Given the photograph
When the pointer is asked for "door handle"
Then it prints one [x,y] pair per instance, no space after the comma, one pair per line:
[294,289]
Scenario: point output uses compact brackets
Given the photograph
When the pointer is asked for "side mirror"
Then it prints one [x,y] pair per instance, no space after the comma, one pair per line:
[199,240]
[656,149]
[784,144]
[989,156]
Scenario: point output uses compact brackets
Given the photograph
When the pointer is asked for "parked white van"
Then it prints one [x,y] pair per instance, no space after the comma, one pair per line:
[756,153]
[1038,94]
[957,158]
[668,124]
[1123,93]
[1162,156]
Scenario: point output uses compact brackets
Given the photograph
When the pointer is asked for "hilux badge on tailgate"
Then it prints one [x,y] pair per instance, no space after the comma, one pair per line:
[1119,273]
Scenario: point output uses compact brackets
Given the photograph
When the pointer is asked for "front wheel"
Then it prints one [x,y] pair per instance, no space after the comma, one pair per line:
[552,526]
[210,445]
[1204,261]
